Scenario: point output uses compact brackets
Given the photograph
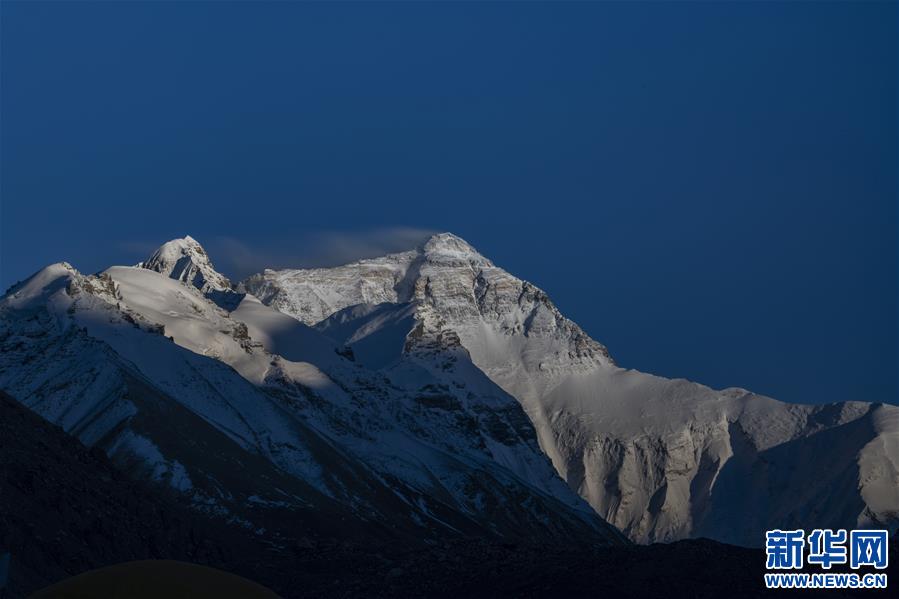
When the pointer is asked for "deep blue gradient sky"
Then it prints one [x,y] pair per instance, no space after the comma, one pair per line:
[708,189]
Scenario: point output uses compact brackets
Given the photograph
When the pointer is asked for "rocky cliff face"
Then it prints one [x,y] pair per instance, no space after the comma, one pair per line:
[661,459]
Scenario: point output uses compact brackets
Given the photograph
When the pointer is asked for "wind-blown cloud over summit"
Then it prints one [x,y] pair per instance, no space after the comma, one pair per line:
[238,259]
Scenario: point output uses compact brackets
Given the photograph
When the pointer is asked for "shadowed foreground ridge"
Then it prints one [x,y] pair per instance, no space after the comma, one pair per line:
[150,579]
[474,568]
[66,510]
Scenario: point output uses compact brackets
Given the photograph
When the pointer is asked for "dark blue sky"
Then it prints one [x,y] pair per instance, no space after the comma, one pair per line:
[708,189]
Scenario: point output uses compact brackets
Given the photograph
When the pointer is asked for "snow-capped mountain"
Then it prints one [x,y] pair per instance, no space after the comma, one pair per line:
[422,394]
[269,423]
[186,260]
[661,459]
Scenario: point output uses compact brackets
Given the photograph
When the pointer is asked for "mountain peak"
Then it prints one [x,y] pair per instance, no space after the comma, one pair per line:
[449,248]
[185,259]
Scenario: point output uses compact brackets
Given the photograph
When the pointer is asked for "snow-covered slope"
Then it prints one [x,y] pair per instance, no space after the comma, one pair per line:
[76,355]
[661,459]
[262,419]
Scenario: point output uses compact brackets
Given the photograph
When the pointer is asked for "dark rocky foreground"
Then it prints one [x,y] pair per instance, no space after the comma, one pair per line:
[468,568]
[151,579]
[65,510]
